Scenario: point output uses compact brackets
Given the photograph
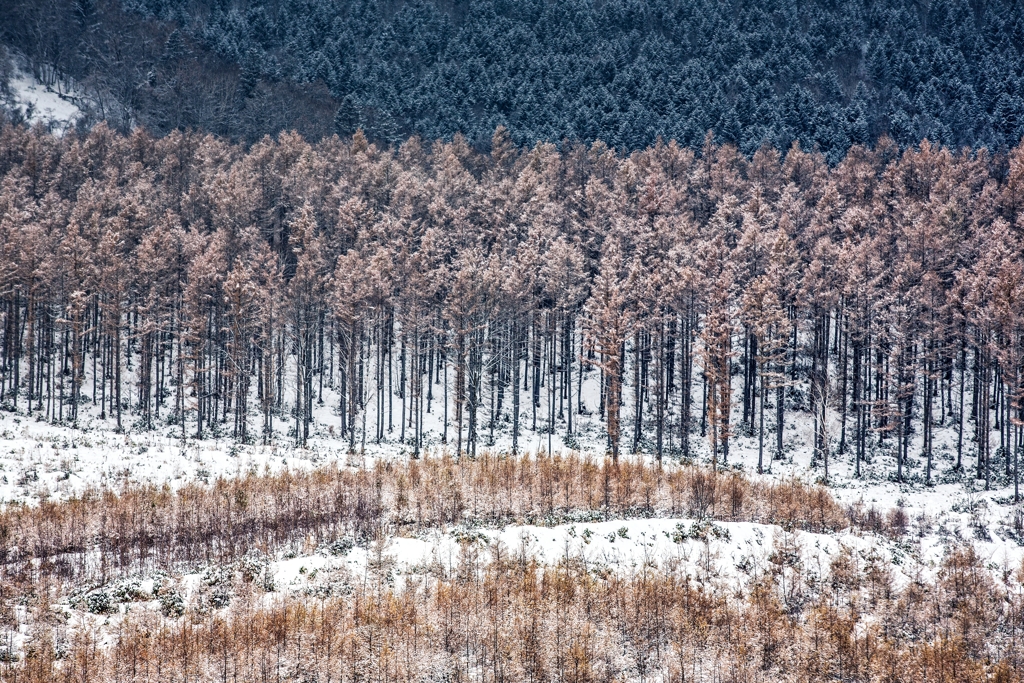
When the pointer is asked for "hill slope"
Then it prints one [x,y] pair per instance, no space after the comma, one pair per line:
[626,72]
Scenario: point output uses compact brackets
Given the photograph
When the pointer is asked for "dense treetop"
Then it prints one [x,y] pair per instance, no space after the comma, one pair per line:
[626,72]
[211,282]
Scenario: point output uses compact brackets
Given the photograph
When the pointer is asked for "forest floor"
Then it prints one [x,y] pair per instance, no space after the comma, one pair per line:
[39,103]
[42,461]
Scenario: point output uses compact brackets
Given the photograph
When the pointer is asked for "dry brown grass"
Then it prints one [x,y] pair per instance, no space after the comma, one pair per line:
[511,618]
[496,616]
[141,527]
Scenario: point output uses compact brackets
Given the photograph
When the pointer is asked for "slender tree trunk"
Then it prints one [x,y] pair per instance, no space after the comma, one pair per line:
[516,389]
[760,421]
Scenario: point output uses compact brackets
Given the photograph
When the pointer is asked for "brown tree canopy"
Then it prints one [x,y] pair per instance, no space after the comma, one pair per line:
[200,283]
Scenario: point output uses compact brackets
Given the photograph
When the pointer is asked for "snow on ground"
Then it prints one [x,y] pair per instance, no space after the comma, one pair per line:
[41,104]
[726,555]
[954,508]
[726,552]
[730,553]
[41,460]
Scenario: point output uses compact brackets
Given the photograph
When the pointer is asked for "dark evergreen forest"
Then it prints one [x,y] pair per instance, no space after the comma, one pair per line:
[825,73]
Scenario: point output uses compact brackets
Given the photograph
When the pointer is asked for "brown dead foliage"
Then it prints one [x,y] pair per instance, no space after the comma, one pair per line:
[141,527]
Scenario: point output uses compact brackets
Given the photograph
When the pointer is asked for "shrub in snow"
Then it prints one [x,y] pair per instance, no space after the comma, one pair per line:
[128,591]
[252,565]
[220,597]
[255,568]
[341,546]
[159,579]
[701,530]
[215,576]
[218,579]
[99,602]
[172,604]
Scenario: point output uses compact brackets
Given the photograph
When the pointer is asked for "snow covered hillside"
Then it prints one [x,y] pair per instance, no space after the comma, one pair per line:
[39,104]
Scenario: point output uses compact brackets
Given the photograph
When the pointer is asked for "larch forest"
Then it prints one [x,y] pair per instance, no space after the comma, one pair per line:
[335,345]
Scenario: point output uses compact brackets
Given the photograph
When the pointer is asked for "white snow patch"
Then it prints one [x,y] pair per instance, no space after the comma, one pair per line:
[41,104]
